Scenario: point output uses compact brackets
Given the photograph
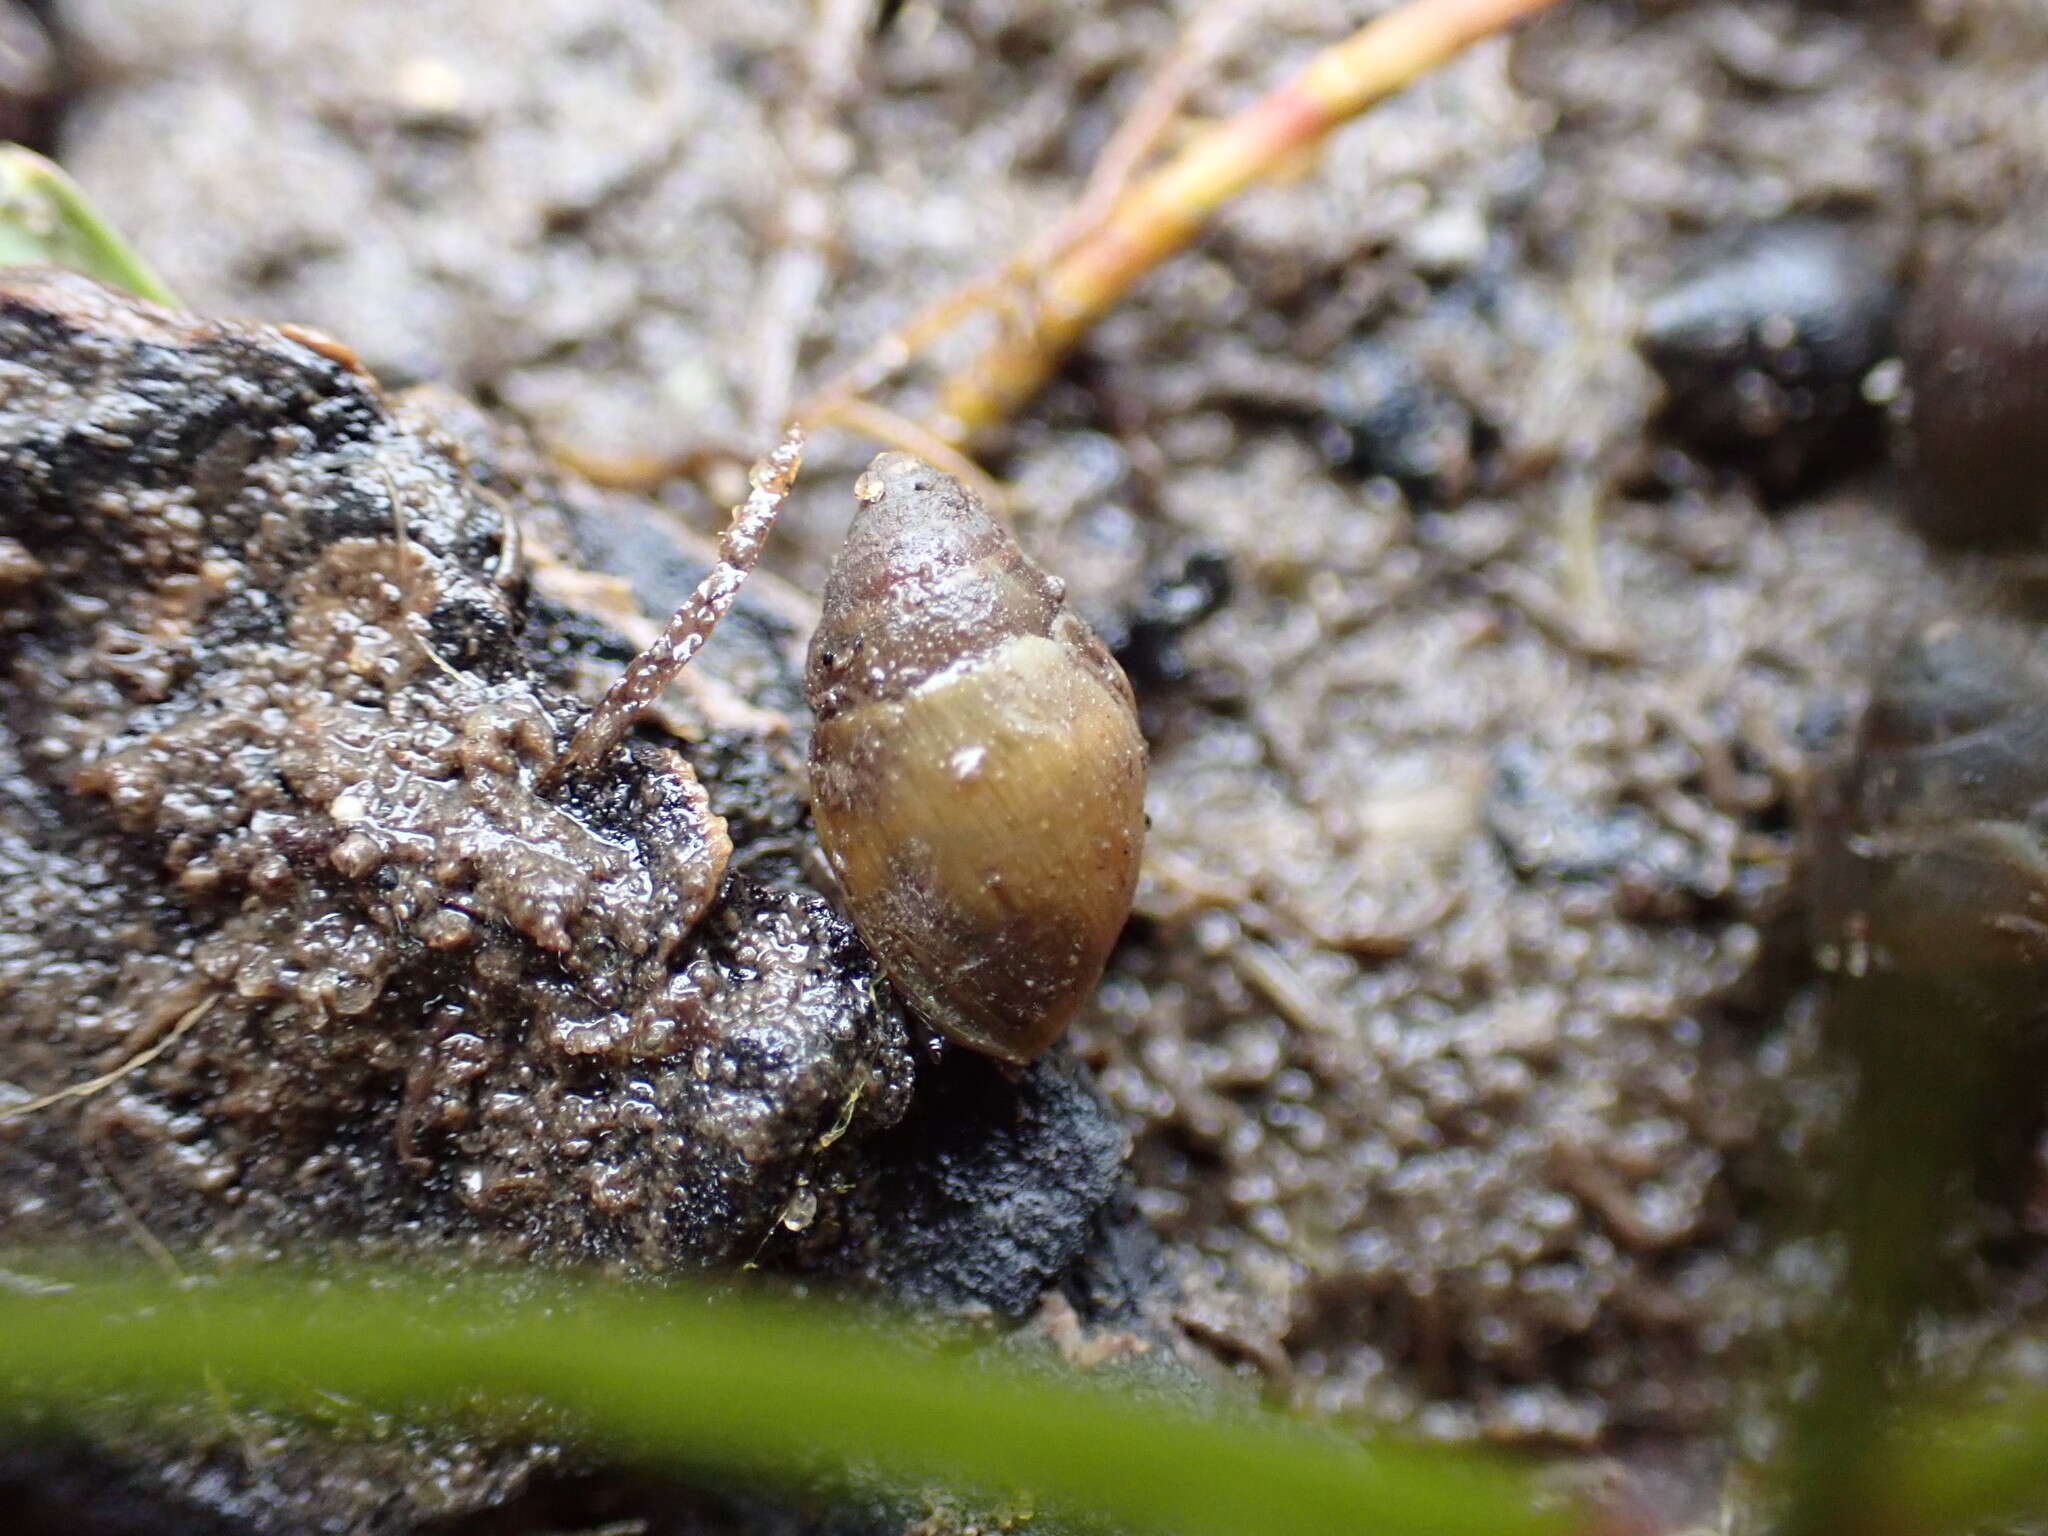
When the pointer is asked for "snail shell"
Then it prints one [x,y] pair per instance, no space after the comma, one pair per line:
[977,772]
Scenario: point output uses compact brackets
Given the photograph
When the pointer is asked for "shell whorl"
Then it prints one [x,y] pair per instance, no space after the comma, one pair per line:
[926,580]
[977,771]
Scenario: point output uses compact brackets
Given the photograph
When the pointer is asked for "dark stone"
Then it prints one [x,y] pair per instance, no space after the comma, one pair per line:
[1385,416]
[991,1189]
[1147,643]
[534,1012]
[52,1486]
[272,790]
[1764,348]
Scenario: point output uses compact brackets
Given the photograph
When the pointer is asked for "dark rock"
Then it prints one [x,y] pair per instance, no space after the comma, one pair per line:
[1386,416]
[1147,641]
[1764,348]
[272,799]
[271,782]
[51,1486]
[991,1189]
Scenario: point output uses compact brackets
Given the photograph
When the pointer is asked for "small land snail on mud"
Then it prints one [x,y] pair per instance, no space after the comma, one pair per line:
[977,771]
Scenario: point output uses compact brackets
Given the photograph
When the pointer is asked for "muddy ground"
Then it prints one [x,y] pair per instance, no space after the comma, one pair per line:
[1463,1032]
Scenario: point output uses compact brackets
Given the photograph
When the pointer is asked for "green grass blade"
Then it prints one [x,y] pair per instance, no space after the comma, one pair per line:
[45,220]
[1951,1470]
[748,1385]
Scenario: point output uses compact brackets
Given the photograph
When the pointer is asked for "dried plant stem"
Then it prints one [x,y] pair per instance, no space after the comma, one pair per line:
[134,1063]
[894,431]
[1142,128]
[649,673]
[1007,287]
[1162,212]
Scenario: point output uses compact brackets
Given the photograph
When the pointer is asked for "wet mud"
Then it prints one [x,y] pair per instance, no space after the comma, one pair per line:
[1491,627]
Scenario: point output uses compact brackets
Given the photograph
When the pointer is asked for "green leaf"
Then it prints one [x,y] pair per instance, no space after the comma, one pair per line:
[743,1384]
[45,220]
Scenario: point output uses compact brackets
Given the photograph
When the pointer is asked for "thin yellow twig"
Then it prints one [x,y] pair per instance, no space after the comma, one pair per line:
[887,427]
[1143,127]
[1008,287]
[134,1063]
[1163,212]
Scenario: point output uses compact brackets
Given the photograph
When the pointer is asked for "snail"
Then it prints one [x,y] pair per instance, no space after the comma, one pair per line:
[977,771]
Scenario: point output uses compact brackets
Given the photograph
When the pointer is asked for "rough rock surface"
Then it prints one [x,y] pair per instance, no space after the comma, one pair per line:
[275,787]
[298,943]
[1008,1181]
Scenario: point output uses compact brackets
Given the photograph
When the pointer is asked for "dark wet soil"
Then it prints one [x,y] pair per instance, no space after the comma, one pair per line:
[1461,1034]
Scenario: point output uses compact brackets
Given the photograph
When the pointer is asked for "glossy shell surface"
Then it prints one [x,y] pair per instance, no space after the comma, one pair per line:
[977,770]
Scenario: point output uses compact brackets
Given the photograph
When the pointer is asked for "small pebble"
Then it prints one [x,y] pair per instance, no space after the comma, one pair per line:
[1385,416]
[1147,644]
[1763,350]
[28,74]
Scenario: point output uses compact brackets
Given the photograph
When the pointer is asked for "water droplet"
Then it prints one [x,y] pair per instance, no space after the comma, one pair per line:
[801,1208]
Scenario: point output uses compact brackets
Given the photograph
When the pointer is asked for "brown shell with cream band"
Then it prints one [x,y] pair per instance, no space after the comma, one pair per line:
[977,771]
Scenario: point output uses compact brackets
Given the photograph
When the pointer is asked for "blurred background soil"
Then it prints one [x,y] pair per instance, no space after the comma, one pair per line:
[1460,1031]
